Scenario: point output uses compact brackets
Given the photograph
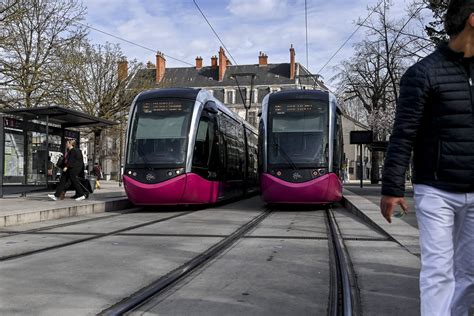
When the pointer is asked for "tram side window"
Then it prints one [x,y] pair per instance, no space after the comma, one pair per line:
[204,143]
[338,144]
[234,148]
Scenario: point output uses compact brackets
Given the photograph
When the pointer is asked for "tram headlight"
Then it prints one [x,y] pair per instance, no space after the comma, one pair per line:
[129,172]
[169,173]
[322,172]
[180,171]
[278,173]
[315,173]
[134,174]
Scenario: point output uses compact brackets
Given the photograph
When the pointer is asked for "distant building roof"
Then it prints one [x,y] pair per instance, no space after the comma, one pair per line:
[271,74]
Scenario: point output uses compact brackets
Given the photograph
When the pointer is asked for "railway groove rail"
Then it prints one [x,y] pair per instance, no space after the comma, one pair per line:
[89,237]
[344,294]
[160,285]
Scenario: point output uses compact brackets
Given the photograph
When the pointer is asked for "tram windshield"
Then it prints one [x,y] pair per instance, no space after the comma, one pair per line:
[159,132]
[298,133]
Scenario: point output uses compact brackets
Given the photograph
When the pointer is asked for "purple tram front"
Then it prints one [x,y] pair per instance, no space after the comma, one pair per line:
[185,147]
[300,148]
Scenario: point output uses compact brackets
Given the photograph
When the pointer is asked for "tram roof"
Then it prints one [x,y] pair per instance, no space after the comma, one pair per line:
[61,116]
[299,94]
[184,93]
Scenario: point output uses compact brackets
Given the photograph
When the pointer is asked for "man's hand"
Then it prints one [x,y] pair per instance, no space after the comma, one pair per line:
[388,203]
[65,169]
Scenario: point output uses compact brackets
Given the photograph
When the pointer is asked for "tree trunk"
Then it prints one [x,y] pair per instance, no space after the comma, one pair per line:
[376,158]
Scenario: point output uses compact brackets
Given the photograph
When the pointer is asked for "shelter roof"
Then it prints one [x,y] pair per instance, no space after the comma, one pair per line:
[61,116]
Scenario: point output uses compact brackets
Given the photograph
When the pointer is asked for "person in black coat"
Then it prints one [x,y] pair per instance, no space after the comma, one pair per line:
[435,119]
[73,168]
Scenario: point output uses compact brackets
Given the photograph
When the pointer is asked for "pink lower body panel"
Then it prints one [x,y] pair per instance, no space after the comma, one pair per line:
[185,189]
[325,189]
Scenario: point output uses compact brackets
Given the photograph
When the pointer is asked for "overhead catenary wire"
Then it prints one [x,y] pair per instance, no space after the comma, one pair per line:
[350,36]
[130,42]
[215,33]
[306,23]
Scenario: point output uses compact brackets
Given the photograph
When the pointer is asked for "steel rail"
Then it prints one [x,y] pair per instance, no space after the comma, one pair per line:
[163,283]
[81,221]
[344,298]
[97,236]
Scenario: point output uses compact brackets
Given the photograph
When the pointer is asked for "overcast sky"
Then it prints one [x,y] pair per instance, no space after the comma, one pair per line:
[176,28]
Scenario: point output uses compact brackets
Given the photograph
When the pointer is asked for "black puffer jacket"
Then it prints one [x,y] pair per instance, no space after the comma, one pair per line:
[75,163]
[435,118]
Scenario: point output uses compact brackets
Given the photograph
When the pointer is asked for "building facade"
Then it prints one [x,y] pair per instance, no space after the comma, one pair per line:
[233,85]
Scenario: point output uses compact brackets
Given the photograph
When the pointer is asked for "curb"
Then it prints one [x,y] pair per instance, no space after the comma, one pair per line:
[351,207]
[399,231]
[62,212]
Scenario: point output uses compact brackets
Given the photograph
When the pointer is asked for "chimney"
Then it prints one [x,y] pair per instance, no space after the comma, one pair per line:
[292,62]
[160,67]
[222,63]
[122,70]
[198,62]
[262,60]
[214,61]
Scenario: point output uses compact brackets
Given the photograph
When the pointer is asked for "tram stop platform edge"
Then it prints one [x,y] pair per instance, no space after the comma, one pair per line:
[37,207]
[364,203]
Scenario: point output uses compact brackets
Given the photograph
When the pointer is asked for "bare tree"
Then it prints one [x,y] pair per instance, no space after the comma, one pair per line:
[93,85]
[42,29]
[365,81]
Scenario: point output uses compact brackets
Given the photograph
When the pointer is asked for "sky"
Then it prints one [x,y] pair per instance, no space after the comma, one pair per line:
[177,28]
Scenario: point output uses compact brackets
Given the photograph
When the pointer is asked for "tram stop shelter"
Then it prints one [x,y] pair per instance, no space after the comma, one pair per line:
[31,141]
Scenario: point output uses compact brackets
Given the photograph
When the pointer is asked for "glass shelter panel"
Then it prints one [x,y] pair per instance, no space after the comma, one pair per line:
[14,157]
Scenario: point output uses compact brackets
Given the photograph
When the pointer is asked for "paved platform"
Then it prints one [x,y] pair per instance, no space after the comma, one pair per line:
[364,202]
[36,206]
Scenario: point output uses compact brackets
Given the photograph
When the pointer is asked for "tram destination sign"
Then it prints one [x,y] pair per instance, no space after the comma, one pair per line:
[361,137]
[293,108]
[151,106]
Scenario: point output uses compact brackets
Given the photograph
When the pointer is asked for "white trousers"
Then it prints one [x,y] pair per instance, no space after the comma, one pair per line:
[446,223]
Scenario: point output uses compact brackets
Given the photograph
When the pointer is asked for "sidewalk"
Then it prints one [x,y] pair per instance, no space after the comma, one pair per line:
[36,206]
[364,202]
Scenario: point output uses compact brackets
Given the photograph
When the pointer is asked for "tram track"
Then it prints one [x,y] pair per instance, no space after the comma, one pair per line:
[344,296]
[90,237]
[10,233]
[162,284]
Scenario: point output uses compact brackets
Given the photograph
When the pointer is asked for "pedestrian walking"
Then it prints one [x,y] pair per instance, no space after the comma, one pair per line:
[97,172]
[435,119]
[73,167]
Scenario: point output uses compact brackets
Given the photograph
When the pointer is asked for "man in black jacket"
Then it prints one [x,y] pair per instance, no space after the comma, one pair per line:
[435,119]
[72,169]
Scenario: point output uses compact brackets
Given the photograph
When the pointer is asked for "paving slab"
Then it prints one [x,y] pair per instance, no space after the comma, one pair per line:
[387,277]
[255,277]
[85,279]
[293,224]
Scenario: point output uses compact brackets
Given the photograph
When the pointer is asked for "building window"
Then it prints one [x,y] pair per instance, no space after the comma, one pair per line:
[229,97]
[252,119]
[255,96]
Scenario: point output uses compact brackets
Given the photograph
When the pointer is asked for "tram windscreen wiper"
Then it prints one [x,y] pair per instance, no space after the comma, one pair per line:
[285,155]
[142,156]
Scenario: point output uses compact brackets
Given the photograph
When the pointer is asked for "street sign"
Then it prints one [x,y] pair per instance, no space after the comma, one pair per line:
[361,137]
